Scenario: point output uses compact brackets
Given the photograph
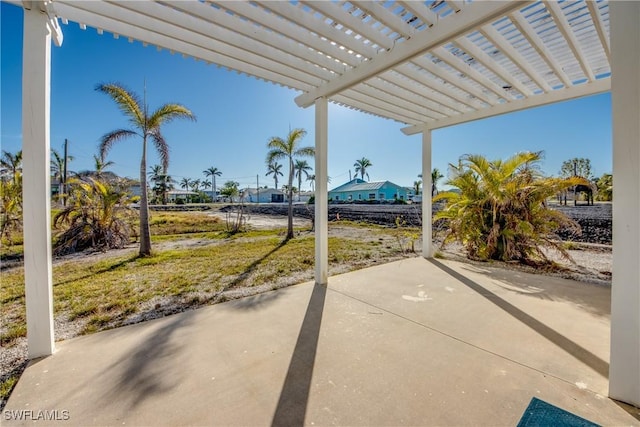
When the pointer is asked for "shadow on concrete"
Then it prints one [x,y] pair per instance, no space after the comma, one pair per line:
[594,298]
[143,374]
[294,397]
[575,350]
[631,410]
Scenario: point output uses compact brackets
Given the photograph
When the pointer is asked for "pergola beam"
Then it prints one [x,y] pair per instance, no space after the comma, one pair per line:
[499,41]
[597,22]
[167,42]
[586,89]
[532,37]
[474,15]
[563,26]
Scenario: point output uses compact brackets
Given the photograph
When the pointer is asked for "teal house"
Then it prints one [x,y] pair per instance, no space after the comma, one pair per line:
[359,190]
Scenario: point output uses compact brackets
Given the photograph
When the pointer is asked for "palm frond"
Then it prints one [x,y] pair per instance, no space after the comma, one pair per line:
[108,139]
[161,147]
[167,113]
[128,102]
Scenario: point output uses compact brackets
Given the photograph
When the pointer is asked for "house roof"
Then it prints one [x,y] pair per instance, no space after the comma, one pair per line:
[360,185]
[427,64]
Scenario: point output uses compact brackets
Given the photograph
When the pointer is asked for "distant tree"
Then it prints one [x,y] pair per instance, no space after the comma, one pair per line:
[11,206]
[435,177]
[312,180]
[195,185]
[185,183]
[275,169]
[162,184]
[576,167]
[605,187]
[11,165]
[100,165]
[361,167]
[212,172]
[58,164]
[146,126]
[416,186]
[301,167]
[288,149]
[230,190]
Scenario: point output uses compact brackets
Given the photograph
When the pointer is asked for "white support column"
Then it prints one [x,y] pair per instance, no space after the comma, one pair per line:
[624,371]
[321,196]
[36,73]
[427,238]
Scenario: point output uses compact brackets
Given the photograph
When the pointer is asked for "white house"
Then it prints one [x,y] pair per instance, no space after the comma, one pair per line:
[263,195]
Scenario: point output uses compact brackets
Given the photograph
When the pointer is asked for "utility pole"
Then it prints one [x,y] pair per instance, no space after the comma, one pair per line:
[258,188]
[63,179]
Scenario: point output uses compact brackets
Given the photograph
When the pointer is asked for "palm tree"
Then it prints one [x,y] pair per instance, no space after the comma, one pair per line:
[162,183]
[288,149]
[185,183]
[97,217]
[301,166]
[213,172]
[312,181]
[500,210]
[416,186]
[361,167]
[11,164]
[146,126]
[435,177]
[275,169]
[100,165]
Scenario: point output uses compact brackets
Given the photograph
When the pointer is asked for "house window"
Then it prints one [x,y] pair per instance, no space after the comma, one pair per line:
[337,197]
[372,196]
[359,196]
[381,196]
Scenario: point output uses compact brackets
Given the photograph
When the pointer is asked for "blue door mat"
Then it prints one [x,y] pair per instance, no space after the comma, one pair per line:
[541,414]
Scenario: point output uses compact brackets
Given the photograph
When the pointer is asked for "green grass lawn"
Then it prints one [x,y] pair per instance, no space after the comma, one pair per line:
[195,263]
[106,291]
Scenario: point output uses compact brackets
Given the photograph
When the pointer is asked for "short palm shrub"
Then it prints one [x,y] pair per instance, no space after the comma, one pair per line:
[499,211]
[97,216]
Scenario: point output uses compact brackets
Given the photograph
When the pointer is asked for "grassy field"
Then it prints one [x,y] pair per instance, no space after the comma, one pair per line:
[195,263]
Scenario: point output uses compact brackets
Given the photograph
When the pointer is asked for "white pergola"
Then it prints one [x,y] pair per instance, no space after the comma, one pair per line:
[426,64]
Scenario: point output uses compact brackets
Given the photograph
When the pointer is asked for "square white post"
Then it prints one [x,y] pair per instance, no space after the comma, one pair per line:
[322,195]
[624,370]
[36,192]
[427,238]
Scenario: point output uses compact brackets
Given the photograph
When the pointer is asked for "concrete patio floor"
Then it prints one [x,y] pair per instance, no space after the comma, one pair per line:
[414,342]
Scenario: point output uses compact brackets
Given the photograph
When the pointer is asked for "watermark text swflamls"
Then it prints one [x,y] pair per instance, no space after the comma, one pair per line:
[36,415]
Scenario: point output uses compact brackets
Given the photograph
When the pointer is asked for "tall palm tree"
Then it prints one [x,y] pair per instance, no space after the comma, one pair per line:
[361,167]
[147,127]
[195,185]
[288,149]
[435,177]
[301,167]
[275,169]
[213,172]
[11,164]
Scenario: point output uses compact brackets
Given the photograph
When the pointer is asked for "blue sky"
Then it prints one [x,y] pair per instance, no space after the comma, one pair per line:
[237,115]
